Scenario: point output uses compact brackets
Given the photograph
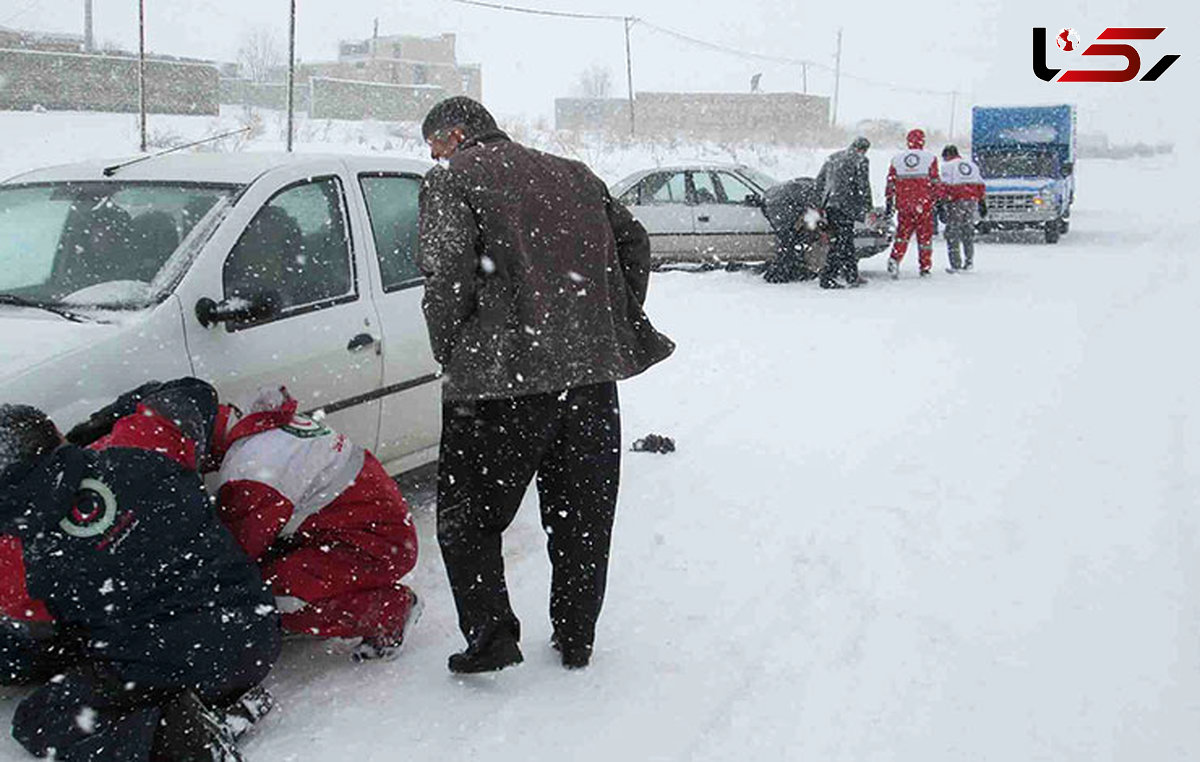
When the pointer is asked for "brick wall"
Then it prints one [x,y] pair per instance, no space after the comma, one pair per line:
[770,117]
[78,82]
[351,99]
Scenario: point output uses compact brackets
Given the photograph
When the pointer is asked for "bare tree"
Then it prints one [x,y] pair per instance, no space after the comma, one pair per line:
[260,55]
[595,82]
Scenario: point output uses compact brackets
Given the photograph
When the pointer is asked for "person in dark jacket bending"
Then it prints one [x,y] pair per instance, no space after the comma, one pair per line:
[155,620]
[844,187]
[535,279]
[793,209]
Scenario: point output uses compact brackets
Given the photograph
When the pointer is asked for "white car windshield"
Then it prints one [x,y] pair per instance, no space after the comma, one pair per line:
[94,244]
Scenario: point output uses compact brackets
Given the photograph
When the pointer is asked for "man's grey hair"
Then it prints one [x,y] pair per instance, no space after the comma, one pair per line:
[460,111]
[25,435]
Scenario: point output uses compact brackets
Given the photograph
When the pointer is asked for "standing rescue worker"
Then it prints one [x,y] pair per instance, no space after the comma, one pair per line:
[962,195]
[912,191]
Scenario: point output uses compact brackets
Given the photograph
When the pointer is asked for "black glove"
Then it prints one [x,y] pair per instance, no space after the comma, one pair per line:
[982,207]
[887,210]
[100,423]
[939,211]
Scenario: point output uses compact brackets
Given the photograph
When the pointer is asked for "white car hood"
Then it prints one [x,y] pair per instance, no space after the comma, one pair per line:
[28,339]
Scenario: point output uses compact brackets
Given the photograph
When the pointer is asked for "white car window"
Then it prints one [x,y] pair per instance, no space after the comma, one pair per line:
[296,248]
[705,188]
[664,188]
[734,190]
[393,206]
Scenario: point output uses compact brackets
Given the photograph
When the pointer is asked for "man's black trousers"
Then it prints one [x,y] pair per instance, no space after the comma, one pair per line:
[490,451]
[843,258]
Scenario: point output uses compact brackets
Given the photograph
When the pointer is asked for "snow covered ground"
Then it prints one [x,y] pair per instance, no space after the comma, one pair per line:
[923,520]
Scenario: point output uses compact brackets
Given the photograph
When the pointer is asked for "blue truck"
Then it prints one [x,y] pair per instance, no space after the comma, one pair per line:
[1026,155]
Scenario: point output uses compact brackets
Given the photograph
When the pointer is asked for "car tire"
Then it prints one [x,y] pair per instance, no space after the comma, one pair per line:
[1052,231]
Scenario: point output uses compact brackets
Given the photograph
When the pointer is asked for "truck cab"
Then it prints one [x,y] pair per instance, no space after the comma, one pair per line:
[1026,155]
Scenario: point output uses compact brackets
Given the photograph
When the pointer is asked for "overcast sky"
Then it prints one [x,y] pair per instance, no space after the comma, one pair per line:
[981,49]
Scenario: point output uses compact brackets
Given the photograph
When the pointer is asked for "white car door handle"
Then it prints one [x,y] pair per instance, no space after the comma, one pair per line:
[704,218]
[361,342]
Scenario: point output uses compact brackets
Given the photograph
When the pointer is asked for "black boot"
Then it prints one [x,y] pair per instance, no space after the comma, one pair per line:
[574,656]
[190,731]
[495,654]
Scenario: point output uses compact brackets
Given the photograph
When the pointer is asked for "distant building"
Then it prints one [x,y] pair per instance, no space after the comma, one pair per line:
[769,117]
[47,42]
[396,78]
[403,60]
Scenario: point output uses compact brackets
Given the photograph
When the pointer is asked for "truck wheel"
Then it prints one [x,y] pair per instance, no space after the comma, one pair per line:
[1052,231]
[1064,227]
[983,228]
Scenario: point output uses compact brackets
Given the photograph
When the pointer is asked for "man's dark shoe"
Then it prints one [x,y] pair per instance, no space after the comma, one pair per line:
[191,731]
[500,652]
[830,283]
[573,657]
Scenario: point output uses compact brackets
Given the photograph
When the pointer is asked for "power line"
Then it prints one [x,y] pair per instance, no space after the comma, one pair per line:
[538,11]
[21,12]
[713,46]
[732,51]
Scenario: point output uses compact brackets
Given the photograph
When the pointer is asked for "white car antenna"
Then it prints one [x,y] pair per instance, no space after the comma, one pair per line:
[110,171]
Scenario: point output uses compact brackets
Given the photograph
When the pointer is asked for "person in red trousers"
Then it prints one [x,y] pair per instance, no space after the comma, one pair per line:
[324,520]
[912,190]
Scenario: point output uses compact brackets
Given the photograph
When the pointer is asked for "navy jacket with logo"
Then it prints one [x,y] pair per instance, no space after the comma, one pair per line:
[119,538]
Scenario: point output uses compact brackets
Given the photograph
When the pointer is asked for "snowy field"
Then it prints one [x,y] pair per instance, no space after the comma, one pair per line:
[951,519]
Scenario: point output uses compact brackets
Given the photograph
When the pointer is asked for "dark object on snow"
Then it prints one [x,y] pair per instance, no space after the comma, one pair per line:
[654,443]
[121,548]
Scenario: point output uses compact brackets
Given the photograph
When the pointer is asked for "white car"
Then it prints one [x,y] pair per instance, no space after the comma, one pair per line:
[246,270]
[704,211]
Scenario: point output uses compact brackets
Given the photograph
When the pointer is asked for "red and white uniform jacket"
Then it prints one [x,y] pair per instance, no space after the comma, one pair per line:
[278,469]
[912,181]
[961,181]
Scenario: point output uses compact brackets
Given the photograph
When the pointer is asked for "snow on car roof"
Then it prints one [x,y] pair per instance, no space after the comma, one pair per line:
[221,168]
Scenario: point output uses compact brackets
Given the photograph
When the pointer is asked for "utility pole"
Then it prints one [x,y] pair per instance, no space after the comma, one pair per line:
[837,76]
[291,95]
[804,73]
[953,108]
[629,76]
[141,68]
[89,36]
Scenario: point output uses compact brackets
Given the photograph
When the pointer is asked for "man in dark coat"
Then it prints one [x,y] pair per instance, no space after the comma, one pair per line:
[793,209]
[159,620]
[535,279]
[844,187]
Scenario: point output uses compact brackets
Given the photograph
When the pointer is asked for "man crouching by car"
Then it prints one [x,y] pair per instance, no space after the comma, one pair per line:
[160,623]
